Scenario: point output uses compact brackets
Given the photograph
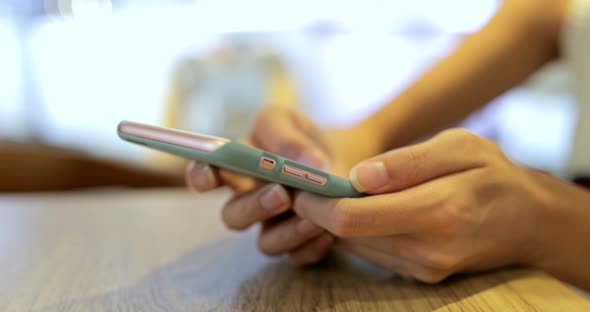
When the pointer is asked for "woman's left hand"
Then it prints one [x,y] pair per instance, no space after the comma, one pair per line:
[451,204]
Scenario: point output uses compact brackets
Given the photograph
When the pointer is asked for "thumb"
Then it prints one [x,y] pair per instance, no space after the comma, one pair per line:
[312,156]
[284,139]
[403,168]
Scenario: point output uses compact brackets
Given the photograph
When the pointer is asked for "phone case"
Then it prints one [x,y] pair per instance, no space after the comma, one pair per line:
[255,162]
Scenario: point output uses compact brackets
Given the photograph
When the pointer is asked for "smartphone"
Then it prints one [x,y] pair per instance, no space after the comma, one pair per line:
[238,158]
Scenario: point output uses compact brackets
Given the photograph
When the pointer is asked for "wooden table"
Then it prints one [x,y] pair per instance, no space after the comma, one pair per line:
[166,250]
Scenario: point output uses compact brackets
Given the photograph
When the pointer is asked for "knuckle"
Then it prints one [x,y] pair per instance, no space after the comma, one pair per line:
[461,141]
[492,151]
[468,141]
[459,134]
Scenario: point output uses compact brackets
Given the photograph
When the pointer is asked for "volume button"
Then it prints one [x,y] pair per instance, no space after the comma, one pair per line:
[316,178]
[296,172]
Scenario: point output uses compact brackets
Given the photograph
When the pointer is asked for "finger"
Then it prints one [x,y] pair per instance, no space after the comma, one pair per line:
[450,152]
[244,210]
[287,235]
[277,133]
[404,212]
[312,252]
[201,177]
[238,183]
[405,267]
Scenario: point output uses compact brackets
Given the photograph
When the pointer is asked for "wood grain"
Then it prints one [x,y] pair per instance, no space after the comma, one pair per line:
[166,250]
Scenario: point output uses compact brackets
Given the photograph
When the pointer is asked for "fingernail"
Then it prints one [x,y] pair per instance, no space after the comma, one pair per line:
[305,227]
[201,176]
[275,199]
[369,175]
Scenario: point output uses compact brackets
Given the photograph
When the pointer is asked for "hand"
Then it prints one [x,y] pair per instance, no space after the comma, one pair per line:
[292,135]
[451,204]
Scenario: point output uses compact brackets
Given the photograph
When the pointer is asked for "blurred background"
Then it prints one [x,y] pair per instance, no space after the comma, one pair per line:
[70,70]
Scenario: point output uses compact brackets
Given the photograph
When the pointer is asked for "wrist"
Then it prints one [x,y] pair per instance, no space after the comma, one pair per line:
[562,229]
[543,211]
[548,216]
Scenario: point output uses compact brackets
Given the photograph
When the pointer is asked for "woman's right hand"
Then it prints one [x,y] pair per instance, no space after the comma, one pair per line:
[290,134]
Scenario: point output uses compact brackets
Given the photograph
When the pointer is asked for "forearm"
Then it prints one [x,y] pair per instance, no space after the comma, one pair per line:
[352,145]
[564,233]
[520,39]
